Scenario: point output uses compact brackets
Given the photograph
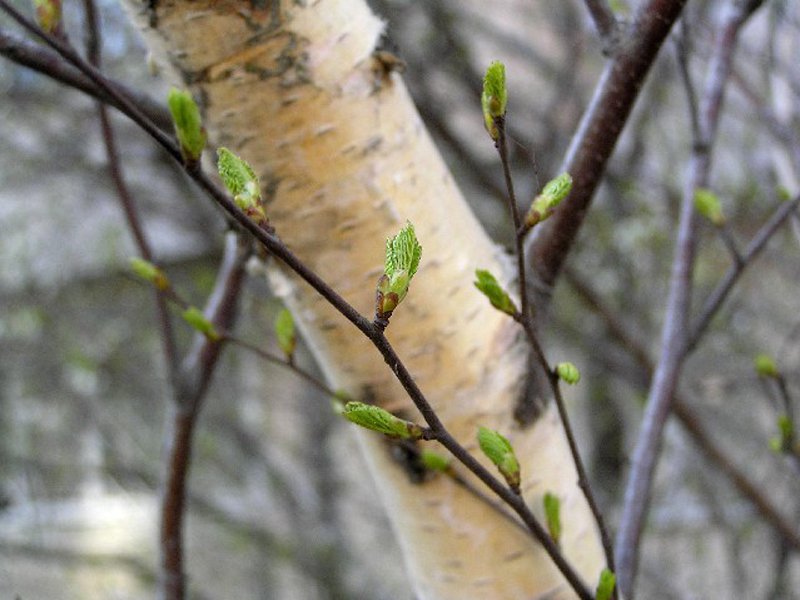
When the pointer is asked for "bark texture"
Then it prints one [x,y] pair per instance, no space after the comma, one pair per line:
[295,88]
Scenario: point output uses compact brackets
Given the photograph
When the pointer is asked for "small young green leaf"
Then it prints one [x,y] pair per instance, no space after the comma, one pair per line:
[188,125]
[568,373]
[48,15]
[605,586]
[552,513]
[765,366]
[434,461]
[499,450]
[198,321]
[285,332]
[707,204]
[548,199]
[403,253]
[377,419]
[149,272]
[489,287]
[494,97]
[242,182]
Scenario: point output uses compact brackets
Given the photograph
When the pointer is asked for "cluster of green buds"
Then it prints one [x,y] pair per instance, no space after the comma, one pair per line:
[403,253]
[494,98]
[546,202]
[188,125]
[499,450]
[242,183]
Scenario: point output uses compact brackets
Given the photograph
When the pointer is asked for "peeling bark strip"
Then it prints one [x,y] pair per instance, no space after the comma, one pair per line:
[296,89]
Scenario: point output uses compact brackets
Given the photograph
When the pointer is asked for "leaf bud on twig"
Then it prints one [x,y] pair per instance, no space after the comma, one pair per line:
[499,450]
[494,97]
[188,125]
[403,253]
[489,287]
[378,419]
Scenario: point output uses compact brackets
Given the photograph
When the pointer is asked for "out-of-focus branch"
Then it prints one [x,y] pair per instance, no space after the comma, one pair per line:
[605,22]
[689,419]
[594,141]
[49,63]
[675,331]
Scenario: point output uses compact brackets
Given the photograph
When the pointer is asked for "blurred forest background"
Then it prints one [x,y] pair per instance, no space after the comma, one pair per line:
[281,506]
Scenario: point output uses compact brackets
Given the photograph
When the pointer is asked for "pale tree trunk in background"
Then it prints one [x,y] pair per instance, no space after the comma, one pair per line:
[344,161]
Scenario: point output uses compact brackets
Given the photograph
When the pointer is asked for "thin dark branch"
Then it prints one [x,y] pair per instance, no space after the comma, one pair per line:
[675,331]
[47,62]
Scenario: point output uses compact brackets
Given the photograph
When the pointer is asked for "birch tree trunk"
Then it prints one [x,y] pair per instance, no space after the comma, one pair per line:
[295,88]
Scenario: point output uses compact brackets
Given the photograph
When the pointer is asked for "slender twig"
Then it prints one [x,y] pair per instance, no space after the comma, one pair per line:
[47,62]
[691,422]
[605,22]
[675,331]
[185,413]
[525,319]
[715,300]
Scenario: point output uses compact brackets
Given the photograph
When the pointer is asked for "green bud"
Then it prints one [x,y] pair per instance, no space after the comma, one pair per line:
[434,461]
[494,97]
[489,287]
[707,204]
[188,125]
[552,513]
[198,321]
[765,366]
[568,373]
[499,450]
[550,197]
[784,195]
[48,15]
[285,332]
[377,419]
[242,183]
[605,586]
[785,434]
[149,272]
[403,254]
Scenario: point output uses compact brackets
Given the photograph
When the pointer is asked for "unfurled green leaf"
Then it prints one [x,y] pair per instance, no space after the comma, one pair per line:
[494,97]
[605,586]
[568,373]
[765,366]
[434,461]
[285,332]
[188,125]
[548,199]
[552,513]
[707,204]
[499,450]
[198,321]
[149,272]
[403,253]
[377,419]
[489,287]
